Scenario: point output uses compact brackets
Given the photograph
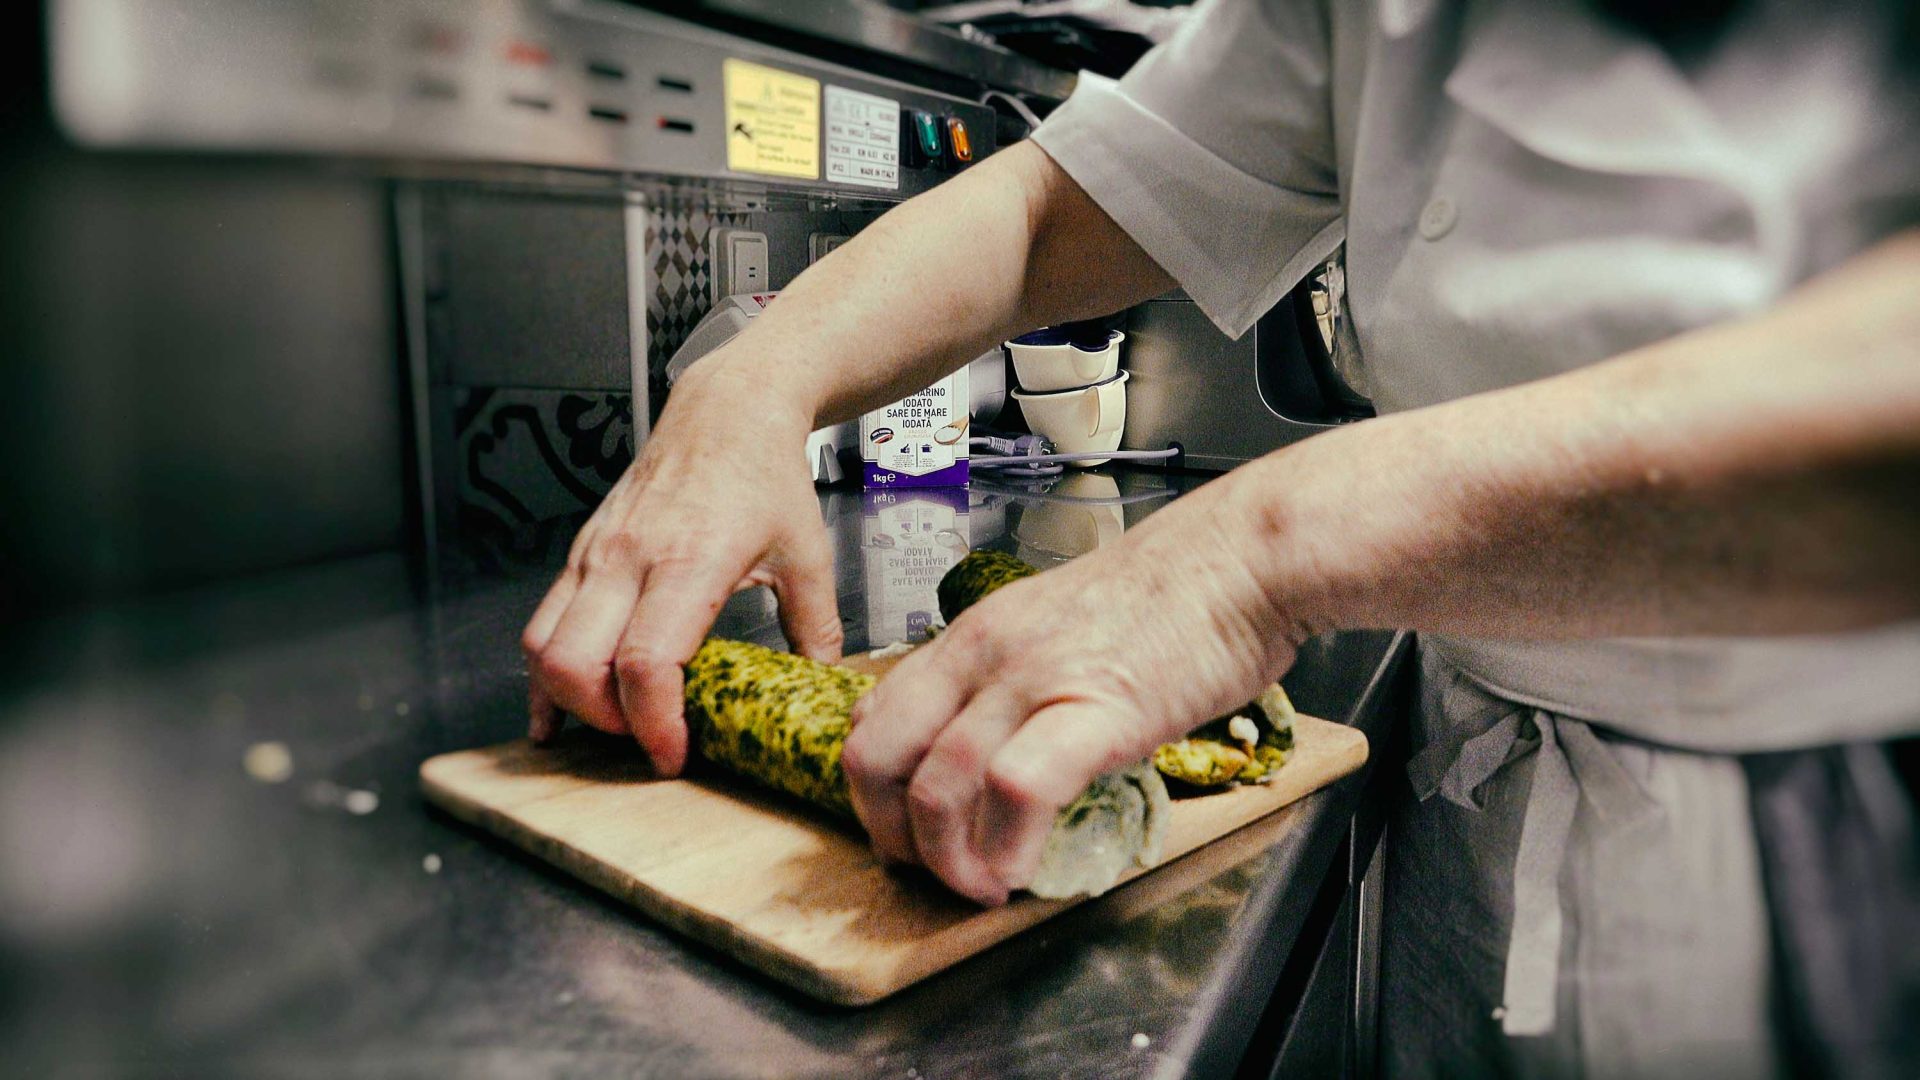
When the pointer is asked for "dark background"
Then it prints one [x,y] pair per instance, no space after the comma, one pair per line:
[202,372]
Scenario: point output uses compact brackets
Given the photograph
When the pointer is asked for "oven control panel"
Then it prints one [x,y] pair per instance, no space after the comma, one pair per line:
[577,84]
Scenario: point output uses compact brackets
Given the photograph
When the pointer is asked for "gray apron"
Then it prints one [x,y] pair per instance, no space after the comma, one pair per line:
[1598,874]
[1565,900]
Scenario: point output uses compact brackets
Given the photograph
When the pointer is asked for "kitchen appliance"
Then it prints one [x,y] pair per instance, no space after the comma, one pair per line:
[570,183]
[572,186]
[1224,401]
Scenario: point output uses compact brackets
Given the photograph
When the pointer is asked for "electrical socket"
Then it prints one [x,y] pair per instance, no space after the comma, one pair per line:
[739,261]
[820,244]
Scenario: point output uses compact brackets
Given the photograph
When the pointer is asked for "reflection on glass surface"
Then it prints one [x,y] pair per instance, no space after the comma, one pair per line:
[908,541]
[1084,514]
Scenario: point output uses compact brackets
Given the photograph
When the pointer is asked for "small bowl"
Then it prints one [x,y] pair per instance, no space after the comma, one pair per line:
[1083,420]
[1044,367]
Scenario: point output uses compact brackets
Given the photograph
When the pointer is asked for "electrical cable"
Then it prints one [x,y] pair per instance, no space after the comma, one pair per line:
[1032,456]
[987,482]
[1021,108]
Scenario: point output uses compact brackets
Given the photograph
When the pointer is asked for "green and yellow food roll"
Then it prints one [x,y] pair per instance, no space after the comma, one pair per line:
[1243,748]
[782,720]
[976,575]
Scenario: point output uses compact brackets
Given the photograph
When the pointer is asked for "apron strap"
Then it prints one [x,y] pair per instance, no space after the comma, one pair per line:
[1571,763]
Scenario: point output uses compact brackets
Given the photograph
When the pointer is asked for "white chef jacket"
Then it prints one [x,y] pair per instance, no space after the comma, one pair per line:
[1523,187]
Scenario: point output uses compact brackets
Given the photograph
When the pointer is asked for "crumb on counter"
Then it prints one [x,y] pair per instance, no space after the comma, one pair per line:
[268,762]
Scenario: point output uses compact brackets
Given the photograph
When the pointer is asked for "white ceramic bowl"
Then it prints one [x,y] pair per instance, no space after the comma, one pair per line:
[1047,368]
[1086,420]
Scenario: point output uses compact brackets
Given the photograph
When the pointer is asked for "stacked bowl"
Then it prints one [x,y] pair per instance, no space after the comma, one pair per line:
[1071,389]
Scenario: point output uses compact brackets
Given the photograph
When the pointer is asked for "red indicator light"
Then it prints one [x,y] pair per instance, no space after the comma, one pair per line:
[528,54]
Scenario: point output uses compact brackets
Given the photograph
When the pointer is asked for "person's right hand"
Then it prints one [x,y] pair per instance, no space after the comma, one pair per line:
[719,499]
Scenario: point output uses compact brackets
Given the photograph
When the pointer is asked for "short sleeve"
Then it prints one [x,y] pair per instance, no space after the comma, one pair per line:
[1216,153]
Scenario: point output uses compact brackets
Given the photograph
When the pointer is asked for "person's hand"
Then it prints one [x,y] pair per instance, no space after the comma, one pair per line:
[962,756]
[719,500]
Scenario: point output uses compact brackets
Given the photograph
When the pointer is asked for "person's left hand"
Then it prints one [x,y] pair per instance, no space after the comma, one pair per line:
[962,756]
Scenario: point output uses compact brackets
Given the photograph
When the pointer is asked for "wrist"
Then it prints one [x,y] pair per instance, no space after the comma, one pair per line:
[741,386]
[1320,526]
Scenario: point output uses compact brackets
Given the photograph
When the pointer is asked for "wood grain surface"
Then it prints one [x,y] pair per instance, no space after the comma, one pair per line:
[782,887]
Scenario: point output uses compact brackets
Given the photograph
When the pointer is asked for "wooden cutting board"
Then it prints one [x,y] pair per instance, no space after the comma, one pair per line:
[778,885]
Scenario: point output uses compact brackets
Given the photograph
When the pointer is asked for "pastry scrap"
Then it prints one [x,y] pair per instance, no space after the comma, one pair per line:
[1245,748]
[1118,823]
[782,720]
[1236,749]
[1202,761]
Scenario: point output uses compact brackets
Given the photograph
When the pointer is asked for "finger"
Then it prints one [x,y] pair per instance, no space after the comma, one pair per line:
[543,716]
[1044,766]
[576,665]
[546,616]
[544,720]
[893,727]
[944,795]
[676,609]
[809,610]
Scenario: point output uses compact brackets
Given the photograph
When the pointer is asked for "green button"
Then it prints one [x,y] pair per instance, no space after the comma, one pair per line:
[929,134]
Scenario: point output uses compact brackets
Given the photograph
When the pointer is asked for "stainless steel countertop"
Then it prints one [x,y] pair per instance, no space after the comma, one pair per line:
[162,911]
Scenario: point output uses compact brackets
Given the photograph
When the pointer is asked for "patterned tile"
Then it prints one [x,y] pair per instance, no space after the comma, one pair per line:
[679,273]
[527,467]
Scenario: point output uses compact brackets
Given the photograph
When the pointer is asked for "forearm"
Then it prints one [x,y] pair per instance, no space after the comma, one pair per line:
[1011,244]
[1753,478]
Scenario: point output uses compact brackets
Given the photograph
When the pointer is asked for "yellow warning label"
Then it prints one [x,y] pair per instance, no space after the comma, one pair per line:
[773,121]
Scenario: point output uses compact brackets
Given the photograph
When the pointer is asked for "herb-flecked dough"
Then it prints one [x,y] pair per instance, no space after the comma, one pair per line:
[783,720]
[775,717]
[976,575]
